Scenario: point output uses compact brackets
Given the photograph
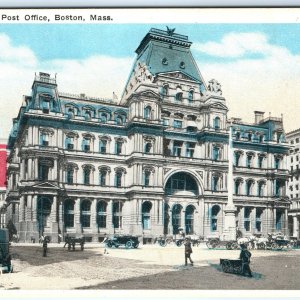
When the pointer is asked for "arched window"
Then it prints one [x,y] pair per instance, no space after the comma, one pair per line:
[43,213]
[117,214]
[215,183]
[86,144]
[85,213]
[101,214]
[237,156]
[214,217]
[103,146]
[176,218]
[237,186]
[249,185]
[260,188]
[148,147]
[277,161]
[104,116]
[181,182]
[249,160]
[216,153]
[147,112]
[279,219]
[87,115]
[119,146]
[86,175]
[69,142]
[217,123]
[118,178]
[165,90]
[191,96]
[69,213]
[146,215]
[102,177]
[189,219]
[119,120]
[147,174]
[260,161]
[70,113]
[178,97]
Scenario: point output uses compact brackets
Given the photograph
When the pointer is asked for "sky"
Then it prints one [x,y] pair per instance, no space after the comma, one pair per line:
[258,65]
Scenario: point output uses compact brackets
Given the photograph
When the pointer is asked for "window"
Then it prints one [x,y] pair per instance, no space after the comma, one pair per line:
[118,146]
[147,112]
[237,185]
[189,219]
[249,136]
[117,214]
[178,97]
[297,140]
[259,212]
[119,120]
[103,146]
[249,161]
[69,213]
[278,220]
[86,175]
[216,123]
[176,218]
[104,117]
[46,106]
[118,179]
[165,122]
[181,182]
[147,174]
[102,177]
[86,213]
[237,156]
[70,113]
[44,139]
[237,135]
[261,138]
[191,96]
[214,217]
[260,187]
[70,175]
[146,215]
[247,223]
[165,91]
[177,124]
[260,161]
[297,158]
[101,214]
[86,144]
[292,142]
[215,181]
[277,162]
[190,149]
[69,143]
[148,147]
[44,168]
[249,187]
[216,153]
[177,145]
[87,115]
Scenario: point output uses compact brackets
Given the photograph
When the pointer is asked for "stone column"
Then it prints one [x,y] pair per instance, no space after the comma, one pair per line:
[94,219]
[109,222]
[77,224]
[54,171]
[36,168]
[295,227]
[28,209]
[61,216]
[54,210]
[22,209]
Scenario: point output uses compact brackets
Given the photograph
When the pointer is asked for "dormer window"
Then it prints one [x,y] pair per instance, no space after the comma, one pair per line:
[191,96]
[44,139]
[86,144]
[46,106]
[147,112]
[182,65]
[164,61]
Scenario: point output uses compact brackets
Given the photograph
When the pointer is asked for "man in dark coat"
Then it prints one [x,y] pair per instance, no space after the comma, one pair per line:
[188,250]
[245,258]
[45,247]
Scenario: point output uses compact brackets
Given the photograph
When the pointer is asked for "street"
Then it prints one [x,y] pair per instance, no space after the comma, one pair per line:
[148,267]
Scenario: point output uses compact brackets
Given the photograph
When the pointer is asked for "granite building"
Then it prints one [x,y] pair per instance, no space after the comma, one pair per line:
[150,164]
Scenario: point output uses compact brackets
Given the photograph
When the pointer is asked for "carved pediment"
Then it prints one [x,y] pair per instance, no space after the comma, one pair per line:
[46,185]
[178,75]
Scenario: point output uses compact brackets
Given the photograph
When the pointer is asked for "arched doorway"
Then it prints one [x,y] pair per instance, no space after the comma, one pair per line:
[43,213]
[146,215]
[176,218]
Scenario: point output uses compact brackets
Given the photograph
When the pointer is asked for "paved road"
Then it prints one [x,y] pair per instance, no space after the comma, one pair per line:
[149,267]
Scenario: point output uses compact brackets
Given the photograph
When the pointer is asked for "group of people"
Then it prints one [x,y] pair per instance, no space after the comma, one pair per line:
[245,256]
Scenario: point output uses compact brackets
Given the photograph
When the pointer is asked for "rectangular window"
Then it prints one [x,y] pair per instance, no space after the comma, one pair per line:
[70,176]
[119,148]
[177,124]
[69,219]
[117,221]
[46,107]
[291,159]
[85,220]
[44,139]
[297,140]
[247,224]
[70,143]
[190,148]
[43,172]
[101,220]
[177,148]
[103,145]
[86,145]
[165,122]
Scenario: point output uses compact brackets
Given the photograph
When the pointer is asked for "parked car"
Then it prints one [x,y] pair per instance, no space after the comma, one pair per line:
[128,241]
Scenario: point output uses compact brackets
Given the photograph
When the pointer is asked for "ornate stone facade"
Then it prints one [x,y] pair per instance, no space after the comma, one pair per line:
[153,164]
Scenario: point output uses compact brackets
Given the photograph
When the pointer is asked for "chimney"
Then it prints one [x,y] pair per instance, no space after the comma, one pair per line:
[259,116]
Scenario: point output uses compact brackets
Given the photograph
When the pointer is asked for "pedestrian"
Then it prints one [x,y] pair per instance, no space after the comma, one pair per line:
[45,246]
[245,258]
[105,239]
[187,251]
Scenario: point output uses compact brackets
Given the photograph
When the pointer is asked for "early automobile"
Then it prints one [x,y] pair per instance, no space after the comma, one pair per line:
[128,241]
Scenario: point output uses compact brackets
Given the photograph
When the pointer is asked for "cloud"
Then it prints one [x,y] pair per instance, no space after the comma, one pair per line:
[235,45]
[96,76]
[269,83]
[20,55]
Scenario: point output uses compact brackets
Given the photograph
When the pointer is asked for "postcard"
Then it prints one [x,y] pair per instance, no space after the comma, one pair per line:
[149,150]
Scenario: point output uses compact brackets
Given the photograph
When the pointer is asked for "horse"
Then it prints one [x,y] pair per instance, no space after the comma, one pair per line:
[249,241]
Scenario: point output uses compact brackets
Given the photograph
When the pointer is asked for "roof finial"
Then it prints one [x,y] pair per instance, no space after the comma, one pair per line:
[170,31]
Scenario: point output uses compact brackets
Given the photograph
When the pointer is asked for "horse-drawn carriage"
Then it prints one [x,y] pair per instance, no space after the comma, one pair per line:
[214,243]
[72,241]
[178,241]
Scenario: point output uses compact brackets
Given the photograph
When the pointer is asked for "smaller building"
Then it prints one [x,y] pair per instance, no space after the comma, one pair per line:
[3,157]
[293,190]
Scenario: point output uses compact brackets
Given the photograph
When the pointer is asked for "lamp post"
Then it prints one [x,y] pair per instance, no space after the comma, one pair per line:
[230,209]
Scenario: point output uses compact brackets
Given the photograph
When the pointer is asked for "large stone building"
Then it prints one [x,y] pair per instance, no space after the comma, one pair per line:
[293,138]
[149,165]
[3,157]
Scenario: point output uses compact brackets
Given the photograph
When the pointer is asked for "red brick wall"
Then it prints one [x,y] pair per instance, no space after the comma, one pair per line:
[2,165]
